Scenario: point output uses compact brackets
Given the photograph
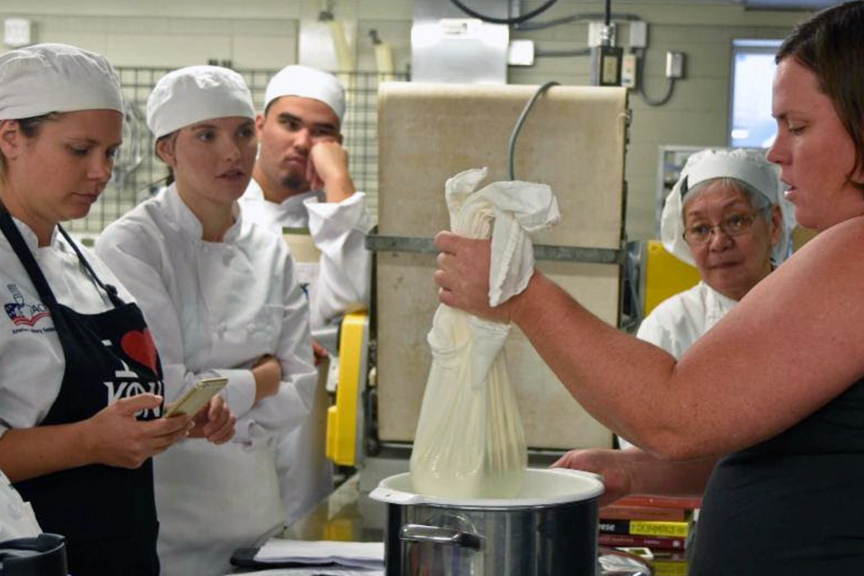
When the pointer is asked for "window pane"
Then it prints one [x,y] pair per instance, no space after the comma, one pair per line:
[752,75]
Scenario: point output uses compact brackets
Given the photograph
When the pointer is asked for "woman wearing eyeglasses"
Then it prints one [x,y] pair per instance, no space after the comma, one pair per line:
[726,217]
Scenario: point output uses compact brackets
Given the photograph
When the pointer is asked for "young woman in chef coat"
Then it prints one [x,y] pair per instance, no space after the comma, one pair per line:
[80,379]
[222,299]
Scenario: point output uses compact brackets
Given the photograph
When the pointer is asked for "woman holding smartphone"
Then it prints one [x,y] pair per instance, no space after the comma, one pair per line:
[222,299]
[80,379]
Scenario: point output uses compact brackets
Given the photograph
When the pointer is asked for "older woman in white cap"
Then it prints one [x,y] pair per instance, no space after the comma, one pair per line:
[80,379]
[301,180]
[727,217]
[222,299]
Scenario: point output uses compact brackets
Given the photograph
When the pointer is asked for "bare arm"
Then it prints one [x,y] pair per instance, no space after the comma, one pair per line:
[268,375]
[634,471]
[112,437]
[786,350]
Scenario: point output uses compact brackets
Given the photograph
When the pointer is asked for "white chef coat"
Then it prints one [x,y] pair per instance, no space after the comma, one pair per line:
[677,322]
[32,363]
[338,230]
[216,308]
[17,519]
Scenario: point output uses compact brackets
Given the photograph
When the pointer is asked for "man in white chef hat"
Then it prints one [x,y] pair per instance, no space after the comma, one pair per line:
[301,180]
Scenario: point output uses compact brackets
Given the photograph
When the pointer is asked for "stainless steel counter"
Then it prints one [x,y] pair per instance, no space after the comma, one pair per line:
[347,515]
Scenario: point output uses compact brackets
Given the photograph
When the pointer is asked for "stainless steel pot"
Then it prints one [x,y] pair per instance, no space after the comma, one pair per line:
[43,555]
[550,529]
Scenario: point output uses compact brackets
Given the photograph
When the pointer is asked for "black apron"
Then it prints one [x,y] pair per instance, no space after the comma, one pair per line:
[107,514]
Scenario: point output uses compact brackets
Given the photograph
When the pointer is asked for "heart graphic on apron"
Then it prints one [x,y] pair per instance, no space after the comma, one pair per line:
[138,345]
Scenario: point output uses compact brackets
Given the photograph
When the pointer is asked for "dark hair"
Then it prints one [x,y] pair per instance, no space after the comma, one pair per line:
[831,45]
[30,127]
[169,179]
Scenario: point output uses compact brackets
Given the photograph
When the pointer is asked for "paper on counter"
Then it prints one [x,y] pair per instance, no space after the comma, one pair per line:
[328,571]
[354,554]
[17,519]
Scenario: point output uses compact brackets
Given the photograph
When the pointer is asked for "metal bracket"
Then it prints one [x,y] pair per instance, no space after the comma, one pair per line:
[380,243]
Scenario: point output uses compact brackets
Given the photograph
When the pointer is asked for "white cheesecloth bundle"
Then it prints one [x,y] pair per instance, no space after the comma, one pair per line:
[470,442]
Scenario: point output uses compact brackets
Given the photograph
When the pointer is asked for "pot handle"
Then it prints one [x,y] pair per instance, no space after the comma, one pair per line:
[440,536]
[391,496]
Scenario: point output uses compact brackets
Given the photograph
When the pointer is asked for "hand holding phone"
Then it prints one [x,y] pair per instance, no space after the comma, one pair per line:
[196,397]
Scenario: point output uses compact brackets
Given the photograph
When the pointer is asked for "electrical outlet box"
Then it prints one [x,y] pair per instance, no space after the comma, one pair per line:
[628,71]
[674,64]
[638,34]
[520,53]
[606,66]
[17,32]
[601,35]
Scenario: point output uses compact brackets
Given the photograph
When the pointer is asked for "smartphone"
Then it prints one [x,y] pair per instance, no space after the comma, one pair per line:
[196,397]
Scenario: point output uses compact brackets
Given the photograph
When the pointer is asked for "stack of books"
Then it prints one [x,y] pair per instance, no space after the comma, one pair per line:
[654,522]
[668,563]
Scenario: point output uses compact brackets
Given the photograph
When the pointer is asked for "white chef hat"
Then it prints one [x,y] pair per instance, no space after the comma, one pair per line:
[194,94]
[46,78]
[747,166]
[307,82]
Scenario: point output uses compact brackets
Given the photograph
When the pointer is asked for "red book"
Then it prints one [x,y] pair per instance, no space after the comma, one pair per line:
[619,512]
[658,542]
[660,501]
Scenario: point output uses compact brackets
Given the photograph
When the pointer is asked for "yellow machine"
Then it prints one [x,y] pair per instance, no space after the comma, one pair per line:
[344,419]
[665,275]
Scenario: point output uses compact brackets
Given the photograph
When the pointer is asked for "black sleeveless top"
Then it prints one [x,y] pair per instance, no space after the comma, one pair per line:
[793,504]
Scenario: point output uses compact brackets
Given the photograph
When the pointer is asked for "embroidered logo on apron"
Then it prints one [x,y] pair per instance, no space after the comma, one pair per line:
[21,313]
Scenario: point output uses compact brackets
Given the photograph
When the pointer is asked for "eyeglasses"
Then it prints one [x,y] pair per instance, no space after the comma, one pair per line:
[733,225]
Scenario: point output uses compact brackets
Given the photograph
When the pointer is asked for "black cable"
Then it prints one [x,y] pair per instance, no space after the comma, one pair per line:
[538,53]
[509,21]
[640,82]
[608,11]
[670,88]
[511,146]
[529,26]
